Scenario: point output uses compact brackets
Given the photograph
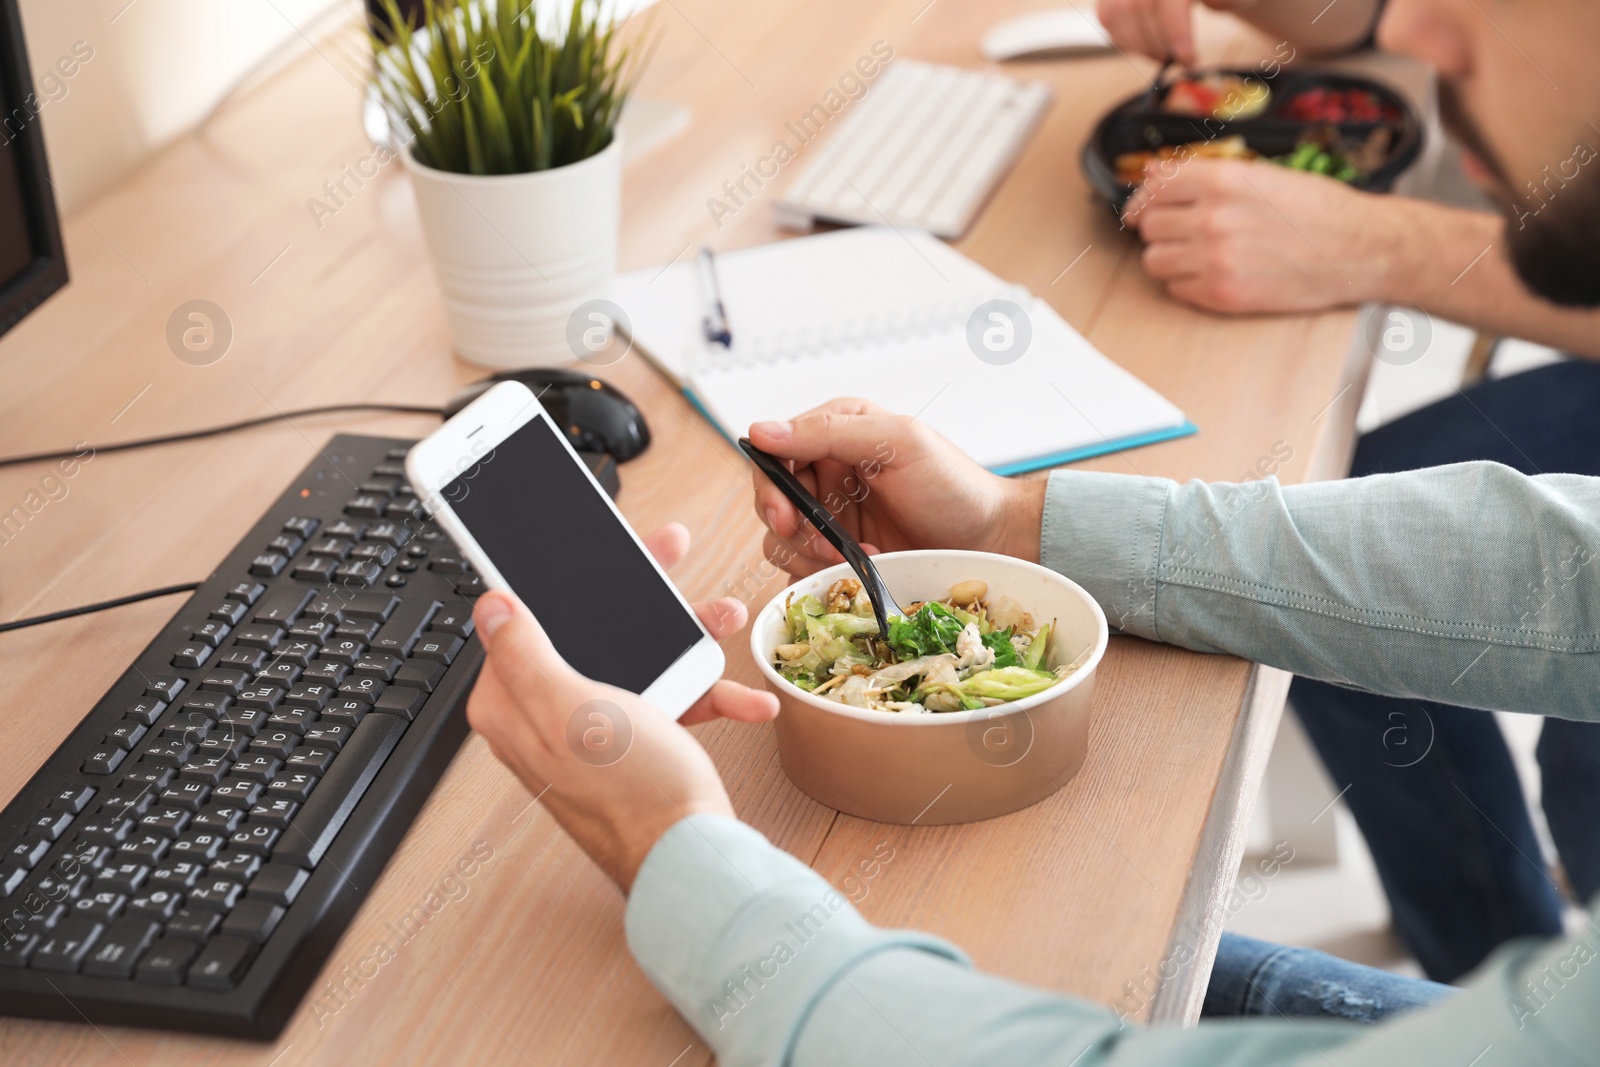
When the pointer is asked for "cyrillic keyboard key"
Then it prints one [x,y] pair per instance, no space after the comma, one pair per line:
[144,847]
[242,722]
[260,697]
[330,735]
[361,688]
[187,795]
[222,819]
[255,838]
[293,719]
[312,629]
[313,759]
[374,664]
[336,796]
[103,905]
[346,710]
[157,905]
[274,811]
[236,866]
[201,846]
[274,742]
[168,822]
[257,766]
[237,792]
[292,785]
[311,695]
[215,894]
[122,878]
[326,670]
[279,672]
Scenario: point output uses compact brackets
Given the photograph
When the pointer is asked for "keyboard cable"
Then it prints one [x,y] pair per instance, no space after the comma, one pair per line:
[192,435]
[132,598]
[195,435]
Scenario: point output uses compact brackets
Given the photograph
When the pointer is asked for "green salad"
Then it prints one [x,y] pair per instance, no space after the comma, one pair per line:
[958,654]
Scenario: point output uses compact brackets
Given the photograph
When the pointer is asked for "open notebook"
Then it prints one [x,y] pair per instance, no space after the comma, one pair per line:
[883,314]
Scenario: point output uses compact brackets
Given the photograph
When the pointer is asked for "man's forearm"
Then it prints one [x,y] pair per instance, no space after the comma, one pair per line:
[1452,263]
[1315,27]
[1470,584]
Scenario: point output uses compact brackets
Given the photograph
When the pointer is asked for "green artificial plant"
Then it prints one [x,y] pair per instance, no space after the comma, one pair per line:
[485,89]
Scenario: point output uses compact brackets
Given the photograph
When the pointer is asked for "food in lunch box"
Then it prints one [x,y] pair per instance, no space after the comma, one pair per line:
[962,653]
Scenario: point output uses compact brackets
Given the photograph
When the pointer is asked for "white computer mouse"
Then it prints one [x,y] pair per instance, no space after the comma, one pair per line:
[1060,31]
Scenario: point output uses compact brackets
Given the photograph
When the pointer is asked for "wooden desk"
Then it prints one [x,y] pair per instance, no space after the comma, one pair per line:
[1082,893]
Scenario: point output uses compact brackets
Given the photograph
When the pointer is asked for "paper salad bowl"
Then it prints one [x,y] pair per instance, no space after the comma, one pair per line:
[952,767]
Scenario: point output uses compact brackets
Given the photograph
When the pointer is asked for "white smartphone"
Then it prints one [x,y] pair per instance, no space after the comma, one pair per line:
[503,481]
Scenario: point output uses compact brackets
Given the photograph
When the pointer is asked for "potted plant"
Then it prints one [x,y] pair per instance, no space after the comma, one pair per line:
[516,161]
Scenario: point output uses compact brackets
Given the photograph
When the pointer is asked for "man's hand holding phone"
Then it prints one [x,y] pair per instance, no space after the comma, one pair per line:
[615,772]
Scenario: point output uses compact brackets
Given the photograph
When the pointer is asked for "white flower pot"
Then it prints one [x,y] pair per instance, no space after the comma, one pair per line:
[516,254]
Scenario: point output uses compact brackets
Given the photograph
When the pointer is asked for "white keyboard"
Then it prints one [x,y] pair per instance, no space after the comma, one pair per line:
[925,147]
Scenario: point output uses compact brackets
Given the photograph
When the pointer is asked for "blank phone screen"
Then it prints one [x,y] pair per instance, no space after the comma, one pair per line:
[542,522]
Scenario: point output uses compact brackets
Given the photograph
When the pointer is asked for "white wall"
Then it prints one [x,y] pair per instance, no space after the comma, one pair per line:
[156,68]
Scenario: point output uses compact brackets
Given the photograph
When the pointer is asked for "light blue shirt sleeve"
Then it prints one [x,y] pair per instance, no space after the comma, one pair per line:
[1469,584]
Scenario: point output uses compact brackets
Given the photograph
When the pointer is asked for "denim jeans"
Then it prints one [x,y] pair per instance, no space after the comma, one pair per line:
[1433,787]
[1257,978]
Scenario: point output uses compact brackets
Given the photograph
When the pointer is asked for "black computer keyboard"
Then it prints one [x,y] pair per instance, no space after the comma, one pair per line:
[191,854]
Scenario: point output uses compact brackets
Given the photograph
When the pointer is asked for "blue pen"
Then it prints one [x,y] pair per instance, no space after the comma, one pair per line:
[715,322]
